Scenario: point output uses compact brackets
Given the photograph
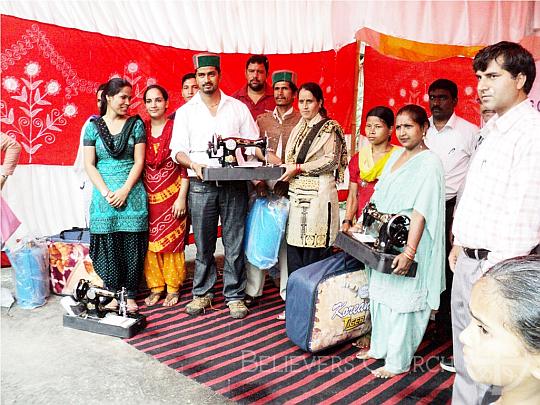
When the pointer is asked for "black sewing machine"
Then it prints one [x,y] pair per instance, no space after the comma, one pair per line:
[391,230]
[225,149]
[228,151]
[87,310]
[378,243]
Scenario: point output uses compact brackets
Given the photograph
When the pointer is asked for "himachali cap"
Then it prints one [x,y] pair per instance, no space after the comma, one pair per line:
[205,59]
[284,76]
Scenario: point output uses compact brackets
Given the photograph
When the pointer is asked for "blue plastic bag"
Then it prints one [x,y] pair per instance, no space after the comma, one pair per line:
[265,228]
[30,261]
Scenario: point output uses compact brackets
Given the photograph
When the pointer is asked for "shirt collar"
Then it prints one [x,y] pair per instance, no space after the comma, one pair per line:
[268,91]
[451,123]
[507,120]
[196,99]
[281,119]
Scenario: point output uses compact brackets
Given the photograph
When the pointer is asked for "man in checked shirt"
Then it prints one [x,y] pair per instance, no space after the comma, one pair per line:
[498,215]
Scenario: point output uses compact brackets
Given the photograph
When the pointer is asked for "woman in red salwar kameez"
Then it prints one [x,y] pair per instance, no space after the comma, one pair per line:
[167,185]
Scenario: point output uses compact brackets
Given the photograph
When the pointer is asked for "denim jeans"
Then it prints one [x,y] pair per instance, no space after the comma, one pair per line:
[207,203]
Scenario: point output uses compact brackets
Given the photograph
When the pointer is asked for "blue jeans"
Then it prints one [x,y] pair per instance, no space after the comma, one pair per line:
[207,203]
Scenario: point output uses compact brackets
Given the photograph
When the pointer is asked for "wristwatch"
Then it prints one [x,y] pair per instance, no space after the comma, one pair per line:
[105,193]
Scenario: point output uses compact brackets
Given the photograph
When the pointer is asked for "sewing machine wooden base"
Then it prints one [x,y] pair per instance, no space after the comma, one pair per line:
[367,254]
[97,325]
[242,173]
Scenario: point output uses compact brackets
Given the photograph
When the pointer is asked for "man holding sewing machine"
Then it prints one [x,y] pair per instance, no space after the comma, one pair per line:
[256,94]
[211,112]
[453,139]
[277,126]
[498,215]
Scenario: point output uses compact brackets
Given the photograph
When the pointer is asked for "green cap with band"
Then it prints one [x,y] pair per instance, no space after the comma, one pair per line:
[284,76]
[206,59]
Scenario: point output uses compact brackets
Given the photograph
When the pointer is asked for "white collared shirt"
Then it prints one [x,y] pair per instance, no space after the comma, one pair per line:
[454,144]
[194,127]
[500,206]
[280,119]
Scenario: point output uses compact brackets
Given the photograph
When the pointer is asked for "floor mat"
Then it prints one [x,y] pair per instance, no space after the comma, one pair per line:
[251,360]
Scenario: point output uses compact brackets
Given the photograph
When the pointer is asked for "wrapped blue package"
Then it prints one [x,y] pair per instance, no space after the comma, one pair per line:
[30,261]
[265,227]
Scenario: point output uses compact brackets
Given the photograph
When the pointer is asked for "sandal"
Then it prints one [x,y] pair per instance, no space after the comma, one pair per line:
[152,299]
[171,299]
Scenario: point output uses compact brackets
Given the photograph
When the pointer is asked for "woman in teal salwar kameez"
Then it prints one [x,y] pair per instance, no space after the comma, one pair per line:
[412,184]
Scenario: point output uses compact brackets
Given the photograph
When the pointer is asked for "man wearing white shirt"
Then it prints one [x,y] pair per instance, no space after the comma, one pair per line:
[498,215]
[211,112]
[453,139]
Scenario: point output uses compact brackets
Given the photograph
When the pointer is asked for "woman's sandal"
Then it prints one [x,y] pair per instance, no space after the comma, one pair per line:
[171,299]
[152,299]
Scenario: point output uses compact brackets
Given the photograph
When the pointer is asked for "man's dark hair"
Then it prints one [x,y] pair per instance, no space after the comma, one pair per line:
[515,60]
[260,59]
[188,76]
[444,84]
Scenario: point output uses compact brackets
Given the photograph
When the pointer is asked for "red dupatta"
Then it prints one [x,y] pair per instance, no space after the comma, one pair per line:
[154,158]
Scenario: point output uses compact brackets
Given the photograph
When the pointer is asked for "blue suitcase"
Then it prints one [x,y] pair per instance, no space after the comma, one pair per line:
[327,303]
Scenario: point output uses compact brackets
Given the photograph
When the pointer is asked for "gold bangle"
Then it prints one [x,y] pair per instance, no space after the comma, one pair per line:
[408,256]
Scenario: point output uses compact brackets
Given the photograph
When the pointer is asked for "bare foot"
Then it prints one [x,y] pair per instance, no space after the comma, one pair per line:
[132,306]
[171,299]
[363,355]
[363,341]
[381,372]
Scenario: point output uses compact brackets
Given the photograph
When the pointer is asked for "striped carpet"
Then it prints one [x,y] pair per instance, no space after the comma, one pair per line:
[252,361]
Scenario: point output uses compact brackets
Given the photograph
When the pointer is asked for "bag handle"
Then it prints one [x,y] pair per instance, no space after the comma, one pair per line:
[74,229]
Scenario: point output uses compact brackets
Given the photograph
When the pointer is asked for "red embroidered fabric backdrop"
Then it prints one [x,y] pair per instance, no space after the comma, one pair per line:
[395,83]
[50,75]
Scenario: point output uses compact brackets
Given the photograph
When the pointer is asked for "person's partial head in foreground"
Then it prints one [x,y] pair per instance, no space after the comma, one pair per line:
[502,342]
[505,73]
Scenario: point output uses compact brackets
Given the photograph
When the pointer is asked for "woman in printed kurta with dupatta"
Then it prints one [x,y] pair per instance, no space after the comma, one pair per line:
[366,166]
[315,157]
[114,147]
[412,183]
[167,185]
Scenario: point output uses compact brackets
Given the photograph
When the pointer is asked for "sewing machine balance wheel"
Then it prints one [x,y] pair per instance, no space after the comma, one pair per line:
[398,230]
[230,144]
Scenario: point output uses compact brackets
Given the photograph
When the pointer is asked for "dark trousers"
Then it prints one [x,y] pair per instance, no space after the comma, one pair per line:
[118,259]
[301,256]
[207,203]
[444,320]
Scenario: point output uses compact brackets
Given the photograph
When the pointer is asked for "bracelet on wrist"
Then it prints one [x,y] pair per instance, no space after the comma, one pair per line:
[407,246]
[408,256]
[347,221]
[298,168]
